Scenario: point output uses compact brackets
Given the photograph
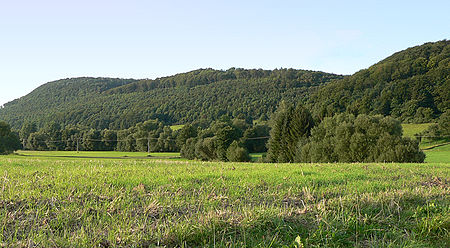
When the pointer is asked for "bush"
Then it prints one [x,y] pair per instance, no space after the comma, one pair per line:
[206,149]
[237,153]
[188,149]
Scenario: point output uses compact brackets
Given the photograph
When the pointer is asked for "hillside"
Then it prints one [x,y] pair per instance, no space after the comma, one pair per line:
[201,94]
[412,85]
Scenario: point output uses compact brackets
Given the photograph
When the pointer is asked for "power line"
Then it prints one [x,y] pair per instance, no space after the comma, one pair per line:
[124,140]
[429,136]
[255,138]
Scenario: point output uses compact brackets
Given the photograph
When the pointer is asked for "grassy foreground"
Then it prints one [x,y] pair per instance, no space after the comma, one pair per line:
[148,203]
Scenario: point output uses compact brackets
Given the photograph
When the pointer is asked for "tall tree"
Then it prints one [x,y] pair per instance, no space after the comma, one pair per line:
[27,129]
[9,141]
[289,126]
[53,132]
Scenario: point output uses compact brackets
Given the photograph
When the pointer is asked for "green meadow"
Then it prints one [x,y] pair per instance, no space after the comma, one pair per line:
[51,201]
[409,130]
[98,154]
[440,154]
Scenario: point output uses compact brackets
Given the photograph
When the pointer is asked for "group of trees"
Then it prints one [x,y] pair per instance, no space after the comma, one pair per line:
[412,86]
[224,140]
[346,138]
[204,94]
[341,138]
[293,136]
[150,135]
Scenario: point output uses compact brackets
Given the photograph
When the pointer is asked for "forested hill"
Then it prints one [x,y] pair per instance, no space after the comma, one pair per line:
[412,85]
[203,94]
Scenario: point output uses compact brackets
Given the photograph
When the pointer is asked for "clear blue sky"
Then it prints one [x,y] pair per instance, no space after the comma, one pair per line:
[46,40]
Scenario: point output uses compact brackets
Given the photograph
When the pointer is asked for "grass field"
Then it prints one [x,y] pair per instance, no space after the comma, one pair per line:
[98,154]
[439,154]
[146,203]
[410,129]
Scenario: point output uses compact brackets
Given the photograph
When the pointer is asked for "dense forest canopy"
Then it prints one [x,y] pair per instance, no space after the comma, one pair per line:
[412,85]
[207,94]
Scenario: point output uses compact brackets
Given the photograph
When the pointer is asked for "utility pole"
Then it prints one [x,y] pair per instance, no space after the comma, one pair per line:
[148,145]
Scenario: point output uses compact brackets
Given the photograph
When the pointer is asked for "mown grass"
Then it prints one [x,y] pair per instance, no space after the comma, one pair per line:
[409,130]
[148,203]
[440,154]
[98,154]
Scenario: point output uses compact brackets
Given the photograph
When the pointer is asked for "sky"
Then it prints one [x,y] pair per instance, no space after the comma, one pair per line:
[47,40]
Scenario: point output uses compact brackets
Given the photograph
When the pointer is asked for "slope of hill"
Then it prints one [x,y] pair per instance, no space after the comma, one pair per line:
[52,98]
[202,94]
[412,85]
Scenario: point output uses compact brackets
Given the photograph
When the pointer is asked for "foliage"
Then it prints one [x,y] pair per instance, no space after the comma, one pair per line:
[289,126]
[9,141]
[188,149]
[237,153]
[346,138]
[255,138]
[412,85]
[223,140]
[186,132]
[200,95]
[27,129]
[150,135]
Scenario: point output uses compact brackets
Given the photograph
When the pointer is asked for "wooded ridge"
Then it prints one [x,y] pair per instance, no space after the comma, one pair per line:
[412,85]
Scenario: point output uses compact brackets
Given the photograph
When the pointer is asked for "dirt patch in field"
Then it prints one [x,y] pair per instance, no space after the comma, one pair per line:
[436,182]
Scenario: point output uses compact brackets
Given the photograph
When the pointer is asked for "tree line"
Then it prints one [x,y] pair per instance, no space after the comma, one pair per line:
[291,135]
[147,136]
[296,137]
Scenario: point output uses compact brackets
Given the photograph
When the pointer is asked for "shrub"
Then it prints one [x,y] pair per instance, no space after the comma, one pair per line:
[188,149]
[237,153]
